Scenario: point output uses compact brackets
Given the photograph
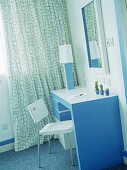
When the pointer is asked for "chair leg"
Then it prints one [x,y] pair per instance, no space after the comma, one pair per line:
[39,165]
[71,154]
[49,144]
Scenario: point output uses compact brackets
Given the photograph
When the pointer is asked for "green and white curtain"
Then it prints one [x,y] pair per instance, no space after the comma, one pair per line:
[34,29]
[91,22]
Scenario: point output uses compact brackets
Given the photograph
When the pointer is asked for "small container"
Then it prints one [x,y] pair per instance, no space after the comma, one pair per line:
[107,92]
[97,91]
[102,92]
[96,87]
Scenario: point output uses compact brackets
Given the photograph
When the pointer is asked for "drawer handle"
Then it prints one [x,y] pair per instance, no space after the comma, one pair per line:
[64,111]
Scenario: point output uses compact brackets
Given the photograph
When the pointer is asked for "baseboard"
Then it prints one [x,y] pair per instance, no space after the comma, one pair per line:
[6,145]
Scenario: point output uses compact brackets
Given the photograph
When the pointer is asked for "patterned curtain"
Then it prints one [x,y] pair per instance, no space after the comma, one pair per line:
[34,29]
[91,22]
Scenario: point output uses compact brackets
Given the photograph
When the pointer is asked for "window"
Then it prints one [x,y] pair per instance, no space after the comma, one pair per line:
[3,68]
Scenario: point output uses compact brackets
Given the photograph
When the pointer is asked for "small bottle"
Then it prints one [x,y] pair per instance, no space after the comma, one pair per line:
[107,92]
[101,90]
[96,87]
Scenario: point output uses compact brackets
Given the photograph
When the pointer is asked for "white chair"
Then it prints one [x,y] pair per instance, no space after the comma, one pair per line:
[38,111]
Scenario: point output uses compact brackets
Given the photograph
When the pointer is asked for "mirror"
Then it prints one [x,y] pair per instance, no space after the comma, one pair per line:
[94,35]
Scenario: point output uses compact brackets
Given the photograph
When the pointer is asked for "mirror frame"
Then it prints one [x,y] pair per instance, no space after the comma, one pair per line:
[101,38]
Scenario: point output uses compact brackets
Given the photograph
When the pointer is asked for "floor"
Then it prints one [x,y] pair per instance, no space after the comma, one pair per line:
[27,159]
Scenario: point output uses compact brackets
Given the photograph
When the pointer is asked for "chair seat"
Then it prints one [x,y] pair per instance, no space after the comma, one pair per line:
[57,127]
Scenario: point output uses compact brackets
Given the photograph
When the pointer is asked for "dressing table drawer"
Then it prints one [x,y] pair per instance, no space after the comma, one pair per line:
[62,115]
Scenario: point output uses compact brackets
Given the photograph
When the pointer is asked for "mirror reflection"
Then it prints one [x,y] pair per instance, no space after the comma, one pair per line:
[92,35]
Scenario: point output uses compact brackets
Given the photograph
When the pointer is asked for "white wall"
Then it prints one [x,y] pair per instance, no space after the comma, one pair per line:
[115,61]
[6,131]
[115,76]
[77,37]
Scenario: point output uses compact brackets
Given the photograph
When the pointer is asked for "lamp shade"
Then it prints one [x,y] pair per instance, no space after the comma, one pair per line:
[65,53]
[94,50]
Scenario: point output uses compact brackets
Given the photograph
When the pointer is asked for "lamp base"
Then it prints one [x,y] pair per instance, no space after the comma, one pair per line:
[69,76]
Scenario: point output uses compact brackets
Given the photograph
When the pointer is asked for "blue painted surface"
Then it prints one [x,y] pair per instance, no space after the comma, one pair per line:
[69,75]
[8,141]
[98,133]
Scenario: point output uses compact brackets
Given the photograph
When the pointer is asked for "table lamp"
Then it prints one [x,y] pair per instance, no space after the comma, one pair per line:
[94,50]
[95,54]
[66,58]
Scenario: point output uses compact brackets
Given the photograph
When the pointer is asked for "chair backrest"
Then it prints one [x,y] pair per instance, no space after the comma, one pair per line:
[38,110]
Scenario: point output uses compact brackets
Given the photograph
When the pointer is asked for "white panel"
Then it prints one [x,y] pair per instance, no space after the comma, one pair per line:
[6,131]
[115,61]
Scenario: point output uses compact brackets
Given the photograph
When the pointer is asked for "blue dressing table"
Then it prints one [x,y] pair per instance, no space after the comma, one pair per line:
[97,126]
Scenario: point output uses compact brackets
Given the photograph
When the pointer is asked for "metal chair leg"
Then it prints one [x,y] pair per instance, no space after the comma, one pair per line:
[39,165]
[49,145]
[71,154]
